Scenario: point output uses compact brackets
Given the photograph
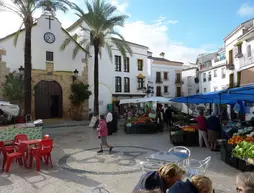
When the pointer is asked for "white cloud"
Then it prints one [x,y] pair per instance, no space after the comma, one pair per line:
[246,10]
[155,36]
[172,21]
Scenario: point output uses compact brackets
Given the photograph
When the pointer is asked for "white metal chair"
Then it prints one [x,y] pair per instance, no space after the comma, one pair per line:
[197,167]
[181,149]
[149,166]
[99,190]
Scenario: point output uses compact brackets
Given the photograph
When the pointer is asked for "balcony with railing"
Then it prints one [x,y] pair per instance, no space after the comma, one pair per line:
[247,59]
[179,81]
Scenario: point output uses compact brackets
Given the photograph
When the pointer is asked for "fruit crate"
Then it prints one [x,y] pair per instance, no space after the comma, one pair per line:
[223,152]
[191,138]
[244,166]
[232,161]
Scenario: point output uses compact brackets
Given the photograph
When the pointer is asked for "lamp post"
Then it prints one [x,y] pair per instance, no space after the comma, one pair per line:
[75,75]
[21,71]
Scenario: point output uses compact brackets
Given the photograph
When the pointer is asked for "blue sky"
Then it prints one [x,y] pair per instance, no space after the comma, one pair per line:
[180,28]
[199,21]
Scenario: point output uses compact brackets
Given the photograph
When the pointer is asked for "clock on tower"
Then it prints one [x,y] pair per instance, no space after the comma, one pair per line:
[49,37]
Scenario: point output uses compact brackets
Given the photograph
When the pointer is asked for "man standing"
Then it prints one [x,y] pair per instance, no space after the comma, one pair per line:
[168,116]
[109,119]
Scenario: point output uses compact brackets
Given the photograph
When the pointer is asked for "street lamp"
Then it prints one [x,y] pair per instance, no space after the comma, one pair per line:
[75,75]
[21,71]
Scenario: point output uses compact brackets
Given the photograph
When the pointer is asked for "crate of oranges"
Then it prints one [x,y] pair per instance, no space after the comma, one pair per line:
[237,139]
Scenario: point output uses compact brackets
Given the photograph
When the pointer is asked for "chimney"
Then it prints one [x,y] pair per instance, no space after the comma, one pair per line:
[149,54]
[162,54]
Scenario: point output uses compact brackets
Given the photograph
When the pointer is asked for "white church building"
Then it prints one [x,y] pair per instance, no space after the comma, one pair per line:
[53,69]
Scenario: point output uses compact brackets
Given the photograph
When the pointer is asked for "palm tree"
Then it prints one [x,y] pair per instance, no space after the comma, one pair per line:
[25,10]
[100,33]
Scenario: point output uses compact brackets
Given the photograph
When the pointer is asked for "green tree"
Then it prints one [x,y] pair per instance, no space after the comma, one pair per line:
[79,93]
[101,21]
[12,89]
[25,9]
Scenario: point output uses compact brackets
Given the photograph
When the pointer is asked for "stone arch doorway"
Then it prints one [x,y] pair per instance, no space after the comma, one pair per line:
[48,100]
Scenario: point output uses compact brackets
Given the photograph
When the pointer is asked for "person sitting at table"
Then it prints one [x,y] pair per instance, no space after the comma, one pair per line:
[162,179]
[245,182]
[197,184]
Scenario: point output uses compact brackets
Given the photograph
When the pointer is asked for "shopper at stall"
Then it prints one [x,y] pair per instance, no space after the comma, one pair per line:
[168,116]
[214,127]
[197,184]
[163,179]
[245,182]
[202,129]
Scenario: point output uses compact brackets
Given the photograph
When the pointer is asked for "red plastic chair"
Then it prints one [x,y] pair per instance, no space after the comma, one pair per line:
[4,150]
[16,155]
[43,151]
[20,137]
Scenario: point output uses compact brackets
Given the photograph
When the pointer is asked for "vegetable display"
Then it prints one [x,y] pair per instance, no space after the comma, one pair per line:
[190,128]
[238,139]
[244,150]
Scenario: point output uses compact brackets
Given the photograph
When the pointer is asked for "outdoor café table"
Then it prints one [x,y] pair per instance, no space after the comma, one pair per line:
[30,143]
[168,157]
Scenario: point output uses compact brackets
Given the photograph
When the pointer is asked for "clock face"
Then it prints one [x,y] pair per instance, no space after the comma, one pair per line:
[49,38]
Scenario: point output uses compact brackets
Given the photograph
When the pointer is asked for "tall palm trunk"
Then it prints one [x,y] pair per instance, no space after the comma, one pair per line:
[28,69]
[96,78]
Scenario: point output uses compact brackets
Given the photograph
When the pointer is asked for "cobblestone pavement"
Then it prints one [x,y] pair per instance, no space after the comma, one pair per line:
[78,168]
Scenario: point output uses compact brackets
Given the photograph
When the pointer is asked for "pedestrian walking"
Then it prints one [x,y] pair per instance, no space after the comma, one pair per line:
[102,134]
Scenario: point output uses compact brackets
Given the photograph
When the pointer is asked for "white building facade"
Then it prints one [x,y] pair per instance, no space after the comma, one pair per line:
[119,78]
[190,79]
[52,69]
[213,74]
[239,46]
[166,76]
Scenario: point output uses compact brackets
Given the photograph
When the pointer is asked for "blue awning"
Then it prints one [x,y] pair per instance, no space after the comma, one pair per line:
[229,96]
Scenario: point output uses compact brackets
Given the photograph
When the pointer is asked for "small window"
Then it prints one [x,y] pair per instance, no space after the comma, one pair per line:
[209,76]
[140,83]
[49,56]
[118,63]
[165,89]
[223,72]
[126,84]
[118,84]
[215,73]
[165,75]
[204,89]
[127,64]
[140,65]
[249,51]
[158,77]
[204,77]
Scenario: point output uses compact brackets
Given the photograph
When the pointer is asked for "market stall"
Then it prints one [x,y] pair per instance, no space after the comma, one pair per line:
[183,131]
[238,150]
[140,125]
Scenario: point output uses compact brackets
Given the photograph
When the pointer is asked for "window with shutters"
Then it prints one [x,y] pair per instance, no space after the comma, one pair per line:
[118,84]
[49,56]
[127,64]
[118,63]
[126,84]
[249,51]
[140,83]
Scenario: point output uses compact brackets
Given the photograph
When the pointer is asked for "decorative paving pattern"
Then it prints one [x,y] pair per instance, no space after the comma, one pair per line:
[123,160]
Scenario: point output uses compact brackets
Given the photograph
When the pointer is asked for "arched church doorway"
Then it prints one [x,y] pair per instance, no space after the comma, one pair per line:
[48,100]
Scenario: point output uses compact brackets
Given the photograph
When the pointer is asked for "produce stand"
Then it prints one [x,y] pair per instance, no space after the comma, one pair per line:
[140,125]
[186,135]
[238,150]
[9,132]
